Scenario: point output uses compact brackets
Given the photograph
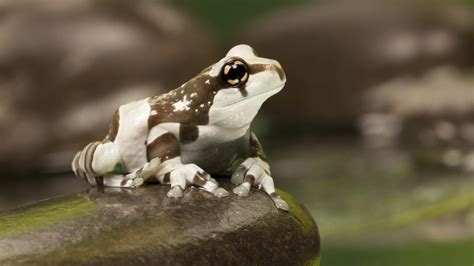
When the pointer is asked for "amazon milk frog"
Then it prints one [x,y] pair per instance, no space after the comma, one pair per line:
[198,129]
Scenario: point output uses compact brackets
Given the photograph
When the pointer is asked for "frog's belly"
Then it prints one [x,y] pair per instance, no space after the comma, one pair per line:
[215,149]
[218,158]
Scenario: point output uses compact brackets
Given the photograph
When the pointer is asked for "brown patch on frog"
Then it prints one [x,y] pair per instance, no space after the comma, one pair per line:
[114,126]
[188,104]
[199,179]
[89,156]
[79,171]
[243,91]
[188,133]
[99,180]
[257,68]
[249,179]
[274,195]
[256,148]
[167,178]
[164,147]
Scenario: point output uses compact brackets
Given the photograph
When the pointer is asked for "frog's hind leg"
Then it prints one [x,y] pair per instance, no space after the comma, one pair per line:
[133,179]
[95,160]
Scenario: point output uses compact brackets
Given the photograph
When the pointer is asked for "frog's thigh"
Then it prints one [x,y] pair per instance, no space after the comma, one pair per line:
[95,160]
[162,144]
[132,133]
[106,159]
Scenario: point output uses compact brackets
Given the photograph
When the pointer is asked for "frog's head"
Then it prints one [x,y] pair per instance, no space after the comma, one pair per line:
[247,80]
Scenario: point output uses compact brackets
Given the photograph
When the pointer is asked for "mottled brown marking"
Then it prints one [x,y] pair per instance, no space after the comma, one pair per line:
[114,126]
[257,68]
[188,133]
[78,170]
[256,149]
[199,179]
[243,91]
[199,91]
[164,147]
[89,156]
[274,195]
[167,178]
[249,179]
[99,180]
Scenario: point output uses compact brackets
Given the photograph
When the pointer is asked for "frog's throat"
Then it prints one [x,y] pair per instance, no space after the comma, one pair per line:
[220,113]
[262,96]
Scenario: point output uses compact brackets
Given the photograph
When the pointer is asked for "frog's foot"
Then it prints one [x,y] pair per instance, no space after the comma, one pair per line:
[133,179]
[175,192]
[191,174]
[255,172]
[138,177]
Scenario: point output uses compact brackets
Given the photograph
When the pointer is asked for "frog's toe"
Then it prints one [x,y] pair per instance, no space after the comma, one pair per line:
[213,180]
[151,168]
[175,192]
[137,182]
[239,174]
[281,204]
[242,191]
[220,192]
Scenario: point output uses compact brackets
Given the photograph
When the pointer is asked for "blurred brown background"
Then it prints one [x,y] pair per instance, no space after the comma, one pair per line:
[374,131]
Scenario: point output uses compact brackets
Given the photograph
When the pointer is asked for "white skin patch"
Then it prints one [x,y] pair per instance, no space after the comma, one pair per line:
[132,133]
[181,105]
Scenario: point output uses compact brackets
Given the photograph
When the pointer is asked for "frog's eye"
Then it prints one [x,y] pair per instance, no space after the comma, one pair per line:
[235,72]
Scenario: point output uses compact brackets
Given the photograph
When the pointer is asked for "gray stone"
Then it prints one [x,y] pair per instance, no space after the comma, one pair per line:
[142,226]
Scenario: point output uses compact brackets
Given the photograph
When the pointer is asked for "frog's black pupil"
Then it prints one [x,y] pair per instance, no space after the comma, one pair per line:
[236,71]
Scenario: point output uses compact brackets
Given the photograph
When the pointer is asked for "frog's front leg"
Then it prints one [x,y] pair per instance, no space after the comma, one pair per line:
[184,175]
[255,172]
[172,171]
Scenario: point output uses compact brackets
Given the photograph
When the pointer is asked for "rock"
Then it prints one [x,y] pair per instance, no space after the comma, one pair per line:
[431,116]
[333,52]
[66,66]
[110,226]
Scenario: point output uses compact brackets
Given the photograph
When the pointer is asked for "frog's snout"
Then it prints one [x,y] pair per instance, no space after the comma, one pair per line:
[279,69]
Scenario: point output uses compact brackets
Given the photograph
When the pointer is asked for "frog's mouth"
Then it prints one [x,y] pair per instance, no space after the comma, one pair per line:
[266,93]
[258,98]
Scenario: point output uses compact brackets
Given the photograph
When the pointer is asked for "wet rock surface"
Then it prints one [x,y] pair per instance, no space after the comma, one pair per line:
[143,226]
[335,51]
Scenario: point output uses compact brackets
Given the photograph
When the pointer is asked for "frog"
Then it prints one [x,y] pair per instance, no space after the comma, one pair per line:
[189,135]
